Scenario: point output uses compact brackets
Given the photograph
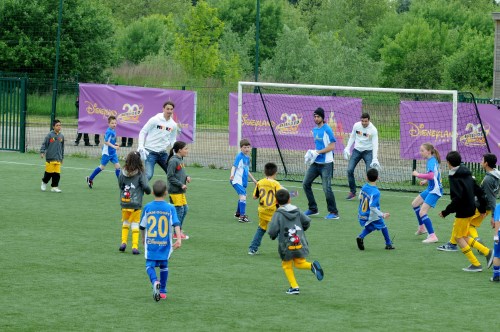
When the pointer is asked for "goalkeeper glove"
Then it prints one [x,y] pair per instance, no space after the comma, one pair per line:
[347,155]
[375,164]
[310,156]
[143,152]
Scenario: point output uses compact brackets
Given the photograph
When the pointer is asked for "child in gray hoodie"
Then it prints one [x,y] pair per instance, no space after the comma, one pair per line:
[288,225]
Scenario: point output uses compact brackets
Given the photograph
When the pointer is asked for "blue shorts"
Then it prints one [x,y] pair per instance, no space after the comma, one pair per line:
[157,263]
[105,159]
[240,190]
[374,225]
[430,199]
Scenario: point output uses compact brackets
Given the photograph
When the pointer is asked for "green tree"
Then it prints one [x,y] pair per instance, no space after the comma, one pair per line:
[235,62]
[131,10]
[197,43]
[28,31]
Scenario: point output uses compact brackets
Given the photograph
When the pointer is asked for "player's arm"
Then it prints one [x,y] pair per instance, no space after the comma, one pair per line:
[172,179]
[178,242]
[479,193]
[455,192]
[231,174]
[352,137]
[144,131]
[273,228]
[374,207]
[107,141]
[44,146]
[251,176]
[327,148]
[375,145]
[256,192]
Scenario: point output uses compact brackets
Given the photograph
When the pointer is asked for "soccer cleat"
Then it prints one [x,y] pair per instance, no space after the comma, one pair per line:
[448,247]
[431,239]
[293,291]
[332,216]
[243,218]
[237,215]
[473,268]
[389,247]
[350,197]
[43,186]
[361,245]
[163,296]
[495,279]
[156,291]
[421,230]
[489,259]
[122,247]
[317,270]
[135,251]
[56,190]
[311,213]
[253,252]
[90,182]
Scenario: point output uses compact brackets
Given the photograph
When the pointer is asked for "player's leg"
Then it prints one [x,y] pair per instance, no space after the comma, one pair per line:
[496,261]
[163,278]
[430,201]
[135,216]
[360,239]
[55,171]
[460,231]
[367,158]
[290,276]
[353,162]
[150,270]
[149,164]
[416,205]
[46,176]
[104,161]
[311,174]
[162,161]
[242,207]
[387,238]
[326,181]
[114,160]
[257,238]
[126,214]
[475,223]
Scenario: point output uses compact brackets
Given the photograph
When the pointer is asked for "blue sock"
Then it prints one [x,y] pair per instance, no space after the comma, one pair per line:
[238,207]
[163,279]
[417,213]
[428,223]
[385,232]
[151,273]
[496,271]
[364,233]
[117,172]
[242,206]
[95,172]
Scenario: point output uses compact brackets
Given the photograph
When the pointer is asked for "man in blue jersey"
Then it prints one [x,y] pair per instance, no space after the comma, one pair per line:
[324,141]
[369,215]
[158,218]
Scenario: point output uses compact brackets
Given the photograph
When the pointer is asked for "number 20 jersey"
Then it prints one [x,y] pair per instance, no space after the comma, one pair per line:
[158,219]
[266,190]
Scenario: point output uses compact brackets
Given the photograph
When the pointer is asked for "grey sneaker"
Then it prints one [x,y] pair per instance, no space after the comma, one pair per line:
[489,259]
[317,270]
[156,291]
[448,247]
[473,268]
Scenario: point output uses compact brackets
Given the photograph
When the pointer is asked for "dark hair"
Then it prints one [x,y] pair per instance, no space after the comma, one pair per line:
[179,145]
[282,196]
[111,117]
[432,149]
[244,142]
[56,121]
[133,163]
[490,159]
[169,103]
[454,158]
[365,116]
[159,188]
[372,174]
[270,169]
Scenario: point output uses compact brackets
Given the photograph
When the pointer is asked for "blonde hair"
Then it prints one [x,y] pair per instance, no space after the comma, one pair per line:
[432,149]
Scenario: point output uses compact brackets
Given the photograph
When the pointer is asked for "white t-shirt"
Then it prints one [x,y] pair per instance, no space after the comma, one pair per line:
[364,139]
[160,133]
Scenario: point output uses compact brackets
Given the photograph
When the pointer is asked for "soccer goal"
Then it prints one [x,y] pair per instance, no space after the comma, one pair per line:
[278,118]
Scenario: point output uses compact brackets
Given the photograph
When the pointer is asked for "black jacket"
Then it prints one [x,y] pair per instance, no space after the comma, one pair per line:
[463,191]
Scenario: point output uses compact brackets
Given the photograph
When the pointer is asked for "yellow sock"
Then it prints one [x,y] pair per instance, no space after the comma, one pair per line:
[288,268]
[473,232]
[476,245]
[470,256]
[135,235]
[453,240]
[125,229]
[301,263]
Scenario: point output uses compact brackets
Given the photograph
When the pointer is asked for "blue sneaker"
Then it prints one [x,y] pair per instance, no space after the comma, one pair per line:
[317,270]
[293,291]
[332,216]
[310,213]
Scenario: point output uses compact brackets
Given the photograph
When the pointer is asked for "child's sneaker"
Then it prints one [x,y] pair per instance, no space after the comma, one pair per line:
[122,247]
[184,236]
[448,247]
[421,230]
[473,268]
[361,245]
[317,270]
[56,190]
[163,296]
[495,279]
[243,218]
[293,291]
[135,251]
[156,291]
[311,213]
[351,196]
[431,239]
[253,251]
[237,215]
[489,259]
[90,183]
[43,186]
[389,247]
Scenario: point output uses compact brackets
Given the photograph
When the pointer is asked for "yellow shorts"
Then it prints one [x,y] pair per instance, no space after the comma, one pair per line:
[264,221]
[53,167]
[477,219]
[131,215]
[178,199]
[461,226]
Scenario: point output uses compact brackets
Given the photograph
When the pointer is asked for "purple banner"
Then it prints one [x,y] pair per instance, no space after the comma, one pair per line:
[291,118]
[422,122]
[133,107]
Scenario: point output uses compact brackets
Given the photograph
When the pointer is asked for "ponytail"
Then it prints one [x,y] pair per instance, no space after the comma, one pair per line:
[433,150]
[179,145]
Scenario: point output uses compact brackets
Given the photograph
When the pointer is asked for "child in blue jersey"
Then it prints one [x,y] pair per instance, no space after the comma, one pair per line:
[239,178]
[108,152]
[158,219]
[496,260]
[429,197]
[369,215]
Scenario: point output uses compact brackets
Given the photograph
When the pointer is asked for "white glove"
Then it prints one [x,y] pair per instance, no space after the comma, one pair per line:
[143,152]
[375,164]
[310,156]
[347,155]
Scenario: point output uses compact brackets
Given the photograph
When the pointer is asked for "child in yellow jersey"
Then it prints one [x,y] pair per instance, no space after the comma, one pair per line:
[265,191]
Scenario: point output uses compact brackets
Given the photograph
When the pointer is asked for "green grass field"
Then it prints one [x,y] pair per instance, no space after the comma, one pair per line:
[61,269]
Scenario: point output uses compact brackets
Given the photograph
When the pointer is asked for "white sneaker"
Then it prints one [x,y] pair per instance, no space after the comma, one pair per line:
[56,190]
[431,239]
[43,186]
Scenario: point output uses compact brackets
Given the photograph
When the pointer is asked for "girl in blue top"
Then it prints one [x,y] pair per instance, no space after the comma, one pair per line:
[429,197]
